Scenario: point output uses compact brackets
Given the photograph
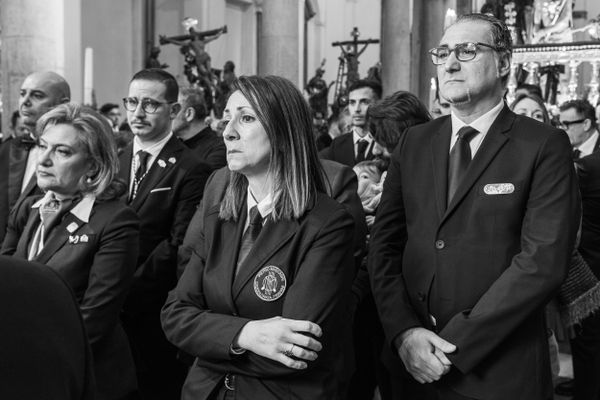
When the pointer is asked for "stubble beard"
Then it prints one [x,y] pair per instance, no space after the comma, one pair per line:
[459,100]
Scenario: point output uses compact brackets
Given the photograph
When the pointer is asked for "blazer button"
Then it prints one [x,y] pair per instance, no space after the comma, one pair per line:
[440,244]
[421,296]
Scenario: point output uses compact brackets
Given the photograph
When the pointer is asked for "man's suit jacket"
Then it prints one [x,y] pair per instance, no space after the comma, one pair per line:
[208,148]
[208,307]
[44,352]
[485,265]
[342,150]
[97,259]
[167,198]
[588,169]
[13,160]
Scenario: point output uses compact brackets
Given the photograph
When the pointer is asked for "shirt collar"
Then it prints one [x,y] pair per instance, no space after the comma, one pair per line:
[82,210]
[356,137]
[265,206]
[482,124]
[587,147]
[154,149]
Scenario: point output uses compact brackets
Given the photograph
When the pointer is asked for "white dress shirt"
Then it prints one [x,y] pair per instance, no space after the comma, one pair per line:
[482,124]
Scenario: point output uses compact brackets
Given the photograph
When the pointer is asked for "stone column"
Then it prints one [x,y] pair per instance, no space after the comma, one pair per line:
[278,41]
[32,37]
[396,45]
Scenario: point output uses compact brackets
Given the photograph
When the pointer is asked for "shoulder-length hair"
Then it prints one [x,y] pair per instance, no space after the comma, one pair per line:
[96,137]
[294,167]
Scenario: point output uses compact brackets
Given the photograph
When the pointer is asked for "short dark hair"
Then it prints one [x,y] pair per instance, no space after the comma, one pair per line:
[582,107]
[162,76]
[500,33]
[365,83]
[294,166]
[391,117]
[106,107]
[194,97]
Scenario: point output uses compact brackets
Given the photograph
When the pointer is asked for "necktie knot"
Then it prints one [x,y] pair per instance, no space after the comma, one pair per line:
[576,154]
[255,219]
[466,133]
[142,162]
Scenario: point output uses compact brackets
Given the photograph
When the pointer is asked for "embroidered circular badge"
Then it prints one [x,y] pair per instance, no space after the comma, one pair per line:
[269,283]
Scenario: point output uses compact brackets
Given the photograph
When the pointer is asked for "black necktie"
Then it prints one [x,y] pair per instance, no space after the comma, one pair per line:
[576,154]
[249,237]
[460,157]
[362,145]
[140,172]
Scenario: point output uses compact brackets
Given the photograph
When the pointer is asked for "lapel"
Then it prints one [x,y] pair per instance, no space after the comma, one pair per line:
[58,237]
[16,171]
[125,168]
[596,145]
[272,237]
[30,227]
[346,151]
[159,169]
[230,232]
[493,142]
[440,148]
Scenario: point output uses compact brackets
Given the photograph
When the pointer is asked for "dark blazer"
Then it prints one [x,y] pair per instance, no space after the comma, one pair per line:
[342,150]
[166,200]
[341,184]
[13,160]
[208,148]
[588,169]
[208,308]
[44,352]
[99,270]
[485,266]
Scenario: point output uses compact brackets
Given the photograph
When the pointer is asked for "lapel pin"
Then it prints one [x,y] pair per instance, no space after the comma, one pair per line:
[72,227]
[172,160]
[84,238]
[162,163]
[74,239]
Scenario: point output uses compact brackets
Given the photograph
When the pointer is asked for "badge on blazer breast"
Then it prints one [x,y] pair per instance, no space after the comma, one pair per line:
[270,283]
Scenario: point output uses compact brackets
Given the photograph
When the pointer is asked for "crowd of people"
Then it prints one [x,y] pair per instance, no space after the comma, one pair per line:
[414,253]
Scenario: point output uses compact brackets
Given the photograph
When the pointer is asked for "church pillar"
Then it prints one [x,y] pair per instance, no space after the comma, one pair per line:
[278,40]
[33,39]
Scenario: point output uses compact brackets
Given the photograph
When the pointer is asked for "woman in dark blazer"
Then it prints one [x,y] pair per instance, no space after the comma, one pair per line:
[80,229]
[263,305]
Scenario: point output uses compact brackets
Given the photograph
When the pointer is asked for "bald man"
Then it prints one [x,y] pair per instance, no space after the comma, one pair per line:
[39,93]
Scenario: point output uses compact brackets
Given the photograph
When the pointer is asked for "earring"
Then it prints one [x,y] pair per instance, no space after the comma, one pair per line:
[89,179]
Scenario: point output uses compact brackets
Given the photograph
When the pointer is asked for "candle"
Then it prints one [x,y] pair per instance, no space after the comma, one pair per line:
[88,76]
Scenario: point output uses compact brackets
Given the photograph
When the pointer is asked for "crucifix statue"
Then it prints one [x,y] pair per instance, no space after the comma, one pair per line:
[197,68]
[349,58]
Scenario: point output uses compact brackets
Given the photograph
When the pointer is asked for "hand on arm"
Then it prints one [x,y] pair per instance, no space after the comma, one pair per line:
[424,354]
[279,338]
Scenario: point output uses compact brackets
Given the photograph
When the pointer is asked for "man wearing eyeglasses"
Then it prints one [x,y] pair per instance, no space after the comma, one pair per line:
[474,232]
[166,184]
[578,119]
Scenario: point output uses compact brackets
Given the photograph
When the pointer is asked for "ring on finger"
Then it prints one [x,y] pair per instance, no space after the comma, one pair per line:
[290,352]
